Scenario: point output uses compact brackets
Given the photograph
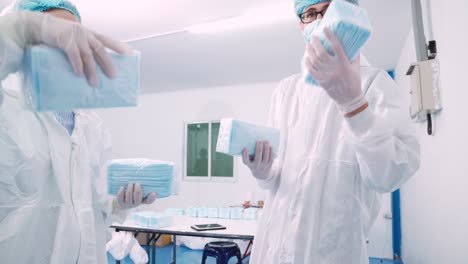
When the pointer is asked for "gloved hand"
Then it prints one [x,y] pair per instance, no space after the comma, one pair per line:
[340,78]
[133,197]
[260,164]
[83,47]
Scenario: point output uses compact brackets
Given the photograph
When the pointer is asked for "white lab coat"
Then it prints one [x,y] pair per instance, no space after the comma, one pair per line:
[326,185]
[54,207]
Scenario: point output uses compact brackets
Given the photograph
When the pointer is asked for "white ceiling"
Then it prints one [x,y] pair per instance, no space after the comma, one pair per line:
[256,54]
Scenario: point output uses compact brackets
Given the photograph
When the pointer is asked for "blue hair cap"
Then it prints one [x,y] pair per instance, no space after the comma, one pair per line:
[301,5]
[44,5]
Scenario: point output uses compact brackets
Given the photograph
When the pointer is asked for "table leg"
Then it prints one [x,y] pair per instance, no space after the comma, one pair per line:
[156,238]
[148,245]
[174,250]
[152,246]
[247,253]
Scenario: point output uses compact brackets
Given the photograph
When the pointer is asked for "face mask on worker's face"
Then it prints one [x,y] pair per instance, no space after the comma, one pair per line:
[310,29]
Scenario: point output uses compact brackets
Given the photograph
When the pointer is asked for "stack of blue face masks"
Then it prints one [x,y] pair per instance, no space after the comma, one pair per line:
[237,213]
[348,22]
[213,212]
[234,136]
[154,176]
[191,211]
[202,212]
[224,212]
[175,211]
[251,213]
[51,84]
[152,219]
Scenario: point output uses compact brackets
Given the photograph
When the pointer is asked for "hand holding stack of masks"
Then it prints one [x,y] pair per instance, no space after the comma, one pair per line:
[153,176]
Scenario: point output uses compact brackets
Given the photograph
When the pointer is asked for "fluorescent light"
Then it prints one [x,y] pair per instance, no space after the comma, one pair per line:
[266,15]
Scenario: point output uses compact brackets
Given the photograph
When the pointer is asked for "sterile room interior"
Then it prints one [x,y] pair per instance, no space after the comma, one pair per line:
[205,60]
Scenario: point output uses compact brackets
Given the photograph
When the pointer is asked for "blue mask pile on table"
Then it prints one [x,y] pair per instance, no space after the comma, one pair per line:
[152,219]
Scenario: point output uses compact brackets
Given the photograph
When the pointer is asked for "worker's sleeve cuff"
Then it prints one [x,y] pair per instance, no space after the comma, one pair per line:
[270,181]
[361,124]
[116,214]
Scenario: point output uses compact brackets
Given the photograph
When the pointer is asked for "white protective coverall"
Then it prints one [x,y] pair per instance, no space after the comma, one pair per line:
[326,185]
[54,207]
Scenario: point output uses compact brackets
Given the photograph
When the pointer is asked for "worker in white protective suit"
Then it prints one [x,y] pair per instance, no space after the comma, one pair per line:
[54,207]
[343,144]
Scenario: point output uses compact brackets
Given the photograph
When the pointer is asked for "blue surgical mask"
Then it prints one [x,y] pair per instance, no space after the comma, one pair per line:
[310,29]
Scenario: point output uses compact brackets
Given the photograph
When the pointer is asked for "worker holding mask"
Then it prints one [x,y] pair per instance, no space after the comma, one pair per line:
[344,142]
[54,206]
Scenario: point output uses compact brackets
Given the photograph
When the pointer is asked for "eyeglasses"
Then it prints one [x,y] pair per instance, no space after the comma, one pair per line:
[311,16]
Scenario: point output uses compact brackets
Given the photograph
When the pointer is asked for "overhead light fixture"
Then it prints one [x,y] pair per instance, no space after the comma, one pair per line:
[266,15]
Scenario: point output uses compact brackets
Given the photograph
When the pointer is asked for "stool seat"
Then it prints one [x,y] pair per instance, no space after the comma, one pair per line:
[222,251]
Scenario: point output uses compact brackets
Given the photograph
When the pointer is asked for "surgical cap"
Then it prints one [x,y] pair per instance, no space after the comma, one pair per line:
[44,5]
[301,5]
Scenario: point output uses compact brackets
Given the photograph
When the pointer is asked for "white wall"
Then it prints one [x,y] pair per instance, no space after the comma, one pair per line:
[435,202]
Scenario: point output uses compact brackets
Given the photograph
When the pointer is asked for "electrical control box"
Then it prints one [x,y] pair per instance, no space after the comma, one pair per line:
[425,89]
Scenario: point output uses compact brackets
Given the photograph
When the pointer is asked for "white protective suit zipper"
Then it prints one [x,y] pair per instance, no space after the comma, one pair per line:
[72,169]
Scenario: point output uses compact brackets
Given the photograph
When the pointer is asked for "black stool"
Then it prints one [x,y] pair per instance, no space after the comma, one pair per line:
[222,251]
